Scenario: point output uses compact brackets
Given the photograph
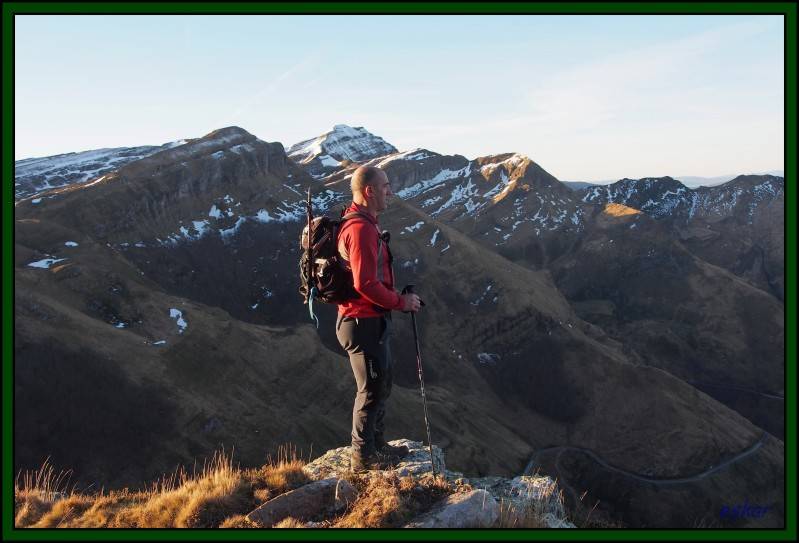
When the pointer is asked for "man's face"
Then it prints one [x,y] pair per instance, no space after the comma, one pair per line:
[380,192]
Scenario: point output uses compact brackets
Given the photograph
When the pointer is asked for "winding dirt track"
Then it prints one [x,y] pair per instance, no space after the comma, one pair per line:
[652,480]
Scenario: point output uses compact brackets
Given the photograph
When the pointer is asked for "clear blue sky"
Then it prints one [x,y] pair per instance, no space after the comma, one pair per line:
[587,97]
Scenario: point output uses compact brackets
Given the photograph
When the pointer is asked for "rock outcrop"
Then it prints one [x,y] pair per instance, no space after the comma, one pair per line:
[336,462]
[326,496]
[487,502]
[527,496]
[475,509]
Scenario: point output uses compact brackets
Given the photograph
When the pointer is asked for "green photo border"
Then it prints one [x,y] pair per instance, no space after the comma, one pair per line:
[787,9]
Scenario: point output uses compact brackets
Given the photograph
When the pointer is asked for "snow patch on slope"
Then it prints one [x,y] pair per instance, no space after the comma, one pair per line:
[441,177]
[45,263]
[177,314]
[414,154]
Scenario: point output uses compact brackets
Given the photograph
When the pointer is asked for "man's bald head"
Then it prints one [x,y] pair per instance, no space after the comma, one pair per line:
[365,176]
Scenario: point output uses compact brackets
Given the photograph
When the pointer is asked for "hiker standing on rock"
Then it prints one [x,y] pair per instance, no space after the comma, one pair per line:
[363,327]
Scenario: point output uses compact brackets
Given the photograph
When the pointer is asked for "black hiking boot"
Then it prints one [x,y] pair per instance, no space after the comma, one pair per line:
[391,451]
[376,461]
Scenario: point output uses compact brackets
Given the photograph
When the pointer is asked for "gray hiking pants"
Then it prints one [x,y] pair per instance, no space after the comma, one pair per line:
[366,341]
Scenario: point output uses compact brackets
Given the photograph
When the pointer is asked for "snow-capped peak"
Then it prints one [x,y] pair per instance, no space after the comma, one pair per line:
[342,143]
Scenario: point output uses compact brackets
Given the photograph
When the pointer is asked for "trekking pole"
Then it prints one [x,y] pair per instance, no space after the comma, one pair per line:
[409,290]
[310,268]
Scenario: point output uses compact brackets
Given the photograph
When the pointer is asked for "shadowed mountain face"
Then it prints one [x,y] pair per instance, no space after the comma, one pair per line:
[738,226]
[677,312]
[162,300]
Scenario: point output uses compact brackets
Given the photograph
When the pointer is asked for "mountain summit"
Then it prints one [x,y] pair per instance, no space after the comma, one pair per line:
[323,153]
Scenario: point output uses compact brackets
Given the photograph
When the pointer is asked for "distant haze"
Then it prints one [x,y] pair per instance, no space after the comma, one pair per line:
[691,180]
[586,97]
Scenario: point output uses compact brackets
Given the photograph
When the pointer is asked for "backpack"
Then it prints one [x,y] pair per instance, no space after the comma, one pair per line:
[329,274]
[324,274]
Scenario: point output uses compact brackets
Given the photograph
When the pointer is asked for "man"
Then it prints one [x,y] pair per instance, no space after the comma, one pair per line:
[363,324]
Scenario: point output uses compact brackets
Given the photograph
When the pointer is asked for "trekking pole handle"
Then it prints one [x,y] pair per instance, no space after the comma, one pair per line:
[409,290]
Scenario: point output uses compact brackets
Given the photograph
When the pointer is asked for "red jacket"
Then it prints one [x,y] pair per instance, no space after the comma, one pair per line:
[357,243]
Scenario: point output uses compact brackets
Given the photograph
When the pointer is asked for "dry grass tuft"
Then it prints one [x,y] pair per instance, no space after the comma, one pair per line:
[35,493]
[238,521]
[512,515]
[193,502]
[44,481]
[289,522]
[529,513]
[29,507]
[278,475]
[390,501]
[378,505]
[105,510]
[262,495]
[219,492]
[65,512]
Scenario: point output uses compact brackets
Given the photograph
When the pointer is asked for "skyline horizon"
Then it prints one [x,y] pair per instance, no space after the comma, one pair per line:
[286,147]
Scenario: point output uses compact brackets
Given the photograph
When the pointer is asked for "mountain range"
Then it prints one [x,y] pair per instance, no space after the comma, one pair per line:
[691,181]
[157,318]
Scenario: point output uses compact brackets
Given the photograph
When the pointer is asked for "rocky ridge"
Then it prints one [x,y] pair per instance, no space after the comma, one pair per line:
[667,197]
[33,176]
[506,202]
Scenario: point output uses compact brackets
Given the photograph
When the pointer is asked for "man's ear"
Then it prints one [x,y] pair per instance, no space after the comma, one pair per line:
[368,191]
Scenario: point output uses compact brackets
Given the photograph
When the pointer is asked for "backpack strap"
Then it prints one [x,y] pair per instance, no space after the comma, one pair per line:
[380,258]
[364,216]
[354,214]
